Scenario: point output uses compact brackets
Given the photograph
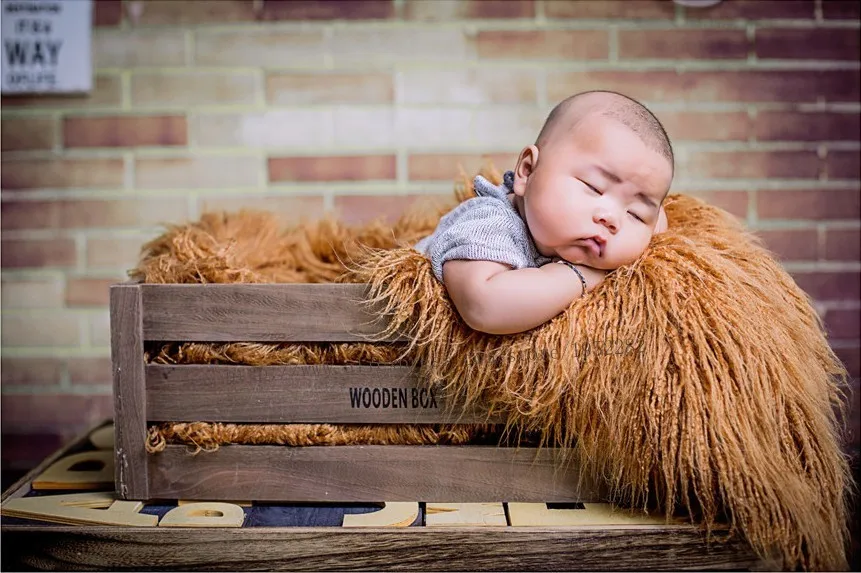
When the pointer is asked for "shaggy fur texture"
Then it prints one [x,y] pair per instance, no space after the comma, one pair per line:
[698,378]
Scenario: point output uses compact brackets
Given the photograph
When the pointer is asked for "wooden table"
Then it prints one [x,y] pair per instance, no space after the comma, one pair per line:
[311,537]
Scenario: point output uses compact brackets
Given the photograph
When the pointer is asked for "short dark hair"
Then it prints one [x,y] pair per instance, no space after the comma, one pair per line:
[626,110]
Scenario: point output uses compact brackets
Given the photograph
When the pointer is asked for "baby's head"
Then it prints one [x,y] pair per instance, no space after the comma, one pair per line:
[592,185]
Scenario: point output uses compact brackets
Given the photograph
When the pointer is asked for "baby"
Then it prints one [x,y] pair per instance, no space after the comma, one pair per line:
[587,194]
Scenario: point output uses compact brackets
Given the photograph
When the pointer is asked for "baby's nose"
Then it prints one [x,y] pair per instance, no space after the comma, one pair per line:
[607,219]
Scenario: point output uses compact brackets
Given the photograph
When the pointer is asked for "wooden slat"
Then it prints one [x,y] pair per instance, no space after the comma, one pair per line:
[675,548]
[259,313]
[129,384]
[367,473]
[296,394]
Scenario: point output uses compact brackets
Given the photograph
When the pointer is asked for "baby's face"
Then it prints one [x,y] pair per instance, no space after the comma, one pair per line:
[593,197]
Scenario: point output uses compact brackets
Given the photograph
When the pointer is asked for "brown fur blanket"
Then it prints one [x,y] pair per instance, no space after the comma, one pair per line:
[698,378]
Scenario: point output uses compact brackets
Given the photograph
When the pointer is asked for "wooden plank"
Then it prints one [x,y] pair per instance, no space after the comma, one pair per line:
[66,473]
[368,474]
[21,487]
[297,394]
[127,359]
[383,549]
[465,514]
[259,313]
[392,514]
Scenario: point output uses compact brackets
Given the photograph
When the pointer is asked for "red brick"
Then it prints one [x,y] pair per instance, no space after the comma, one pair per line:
[36,292]
[173,13]
[843,323]
[122,213]
[468,9]
[792,244]
[189,89]
[544,44]
[89,291]
[290,209]
[447,167]
[724,86]
[683,44]
[358,209]
[88,131]
[639,9]
[841,9]
[807,43]
[27,133]
[61,173]
[196,172]
[842,245]
[816,204]
[328,10]
[114,251]
[107,92]
[710,126]
[345,168]
[733,202]
[754,10]
[851,358]
[843,164]
[30,215]
[90,371]
[31,371]
[830,285]
[317,88]
[38,253]
[93,213]
[65,414]
[469,86]
[267,48]
[806,126]
[107,12]
[753,164]
[57,328]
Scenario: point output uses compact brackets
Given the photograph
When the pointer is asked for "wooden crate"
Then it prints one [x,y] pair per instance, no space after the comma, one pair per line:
[148,393]
[318,540]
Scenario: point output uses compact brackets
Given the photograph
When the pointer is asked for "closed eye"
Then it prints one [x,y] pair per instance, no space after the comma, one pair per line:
[637,217]
[590,187]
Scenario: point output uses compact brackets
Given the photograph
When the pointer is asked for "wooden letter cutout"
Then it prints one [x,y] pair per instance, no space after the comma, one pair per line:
[394,514]
[537,515]
[100,508]
[204,514]
[477,514]
[60,474]
[103,438]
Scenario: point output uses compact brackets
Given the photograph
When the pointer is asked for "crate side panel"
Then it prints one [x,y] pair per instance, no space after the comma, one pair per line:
[381,394]
[369,473]
[261,313]
[129,386]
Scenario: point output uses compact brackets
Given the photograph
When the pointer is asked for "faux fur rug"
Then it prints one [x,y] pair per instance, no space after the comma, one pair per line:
[698,377]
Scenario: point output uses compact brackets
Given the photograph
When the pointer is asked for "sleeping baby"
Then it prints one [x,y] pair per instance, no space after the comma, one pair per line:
[588,194]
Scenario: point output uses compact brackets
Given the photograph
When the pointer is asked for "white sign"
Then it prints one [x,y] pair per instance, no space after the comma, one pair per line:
[46,46]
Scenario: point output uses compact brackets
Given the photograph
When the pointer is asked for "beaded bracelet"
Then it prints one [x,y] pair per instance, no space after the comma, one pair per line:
[576,270]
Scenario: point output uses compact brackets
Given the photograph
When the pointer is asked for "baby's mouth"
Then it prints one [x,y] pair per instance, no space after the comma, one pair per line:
[593,245]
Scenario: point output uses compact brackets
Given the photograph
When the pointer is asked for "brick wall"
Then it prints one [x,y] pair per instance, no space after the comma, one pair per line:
[302,107]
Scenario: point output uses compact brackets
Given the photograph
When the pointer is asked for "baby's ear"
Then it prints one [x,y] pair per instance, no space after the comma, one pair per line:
[525,166]
[662,223]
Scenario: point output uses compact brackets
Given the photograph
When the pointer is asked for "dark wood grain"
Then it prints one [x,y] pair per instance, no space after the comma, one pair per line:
[259,313]
[129,383]
[415,548]
[297,394]
[368,474]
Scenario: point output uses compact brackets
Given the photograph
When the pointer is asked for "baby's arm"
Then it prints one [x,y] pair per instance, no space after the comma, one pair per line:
[493,298]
